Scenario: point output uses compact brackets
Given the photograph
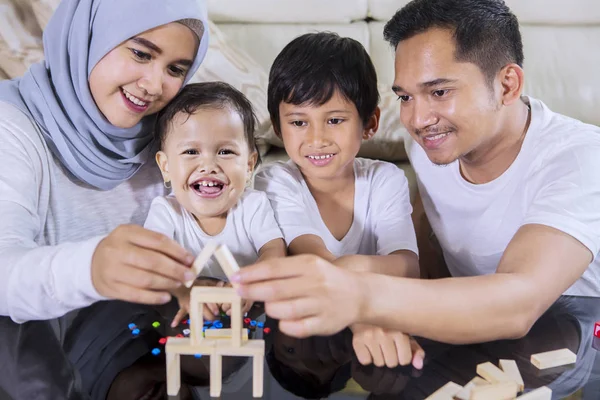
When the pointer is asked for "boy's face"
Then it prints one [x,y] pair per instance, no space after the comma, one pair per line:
[206,158]
[324,140]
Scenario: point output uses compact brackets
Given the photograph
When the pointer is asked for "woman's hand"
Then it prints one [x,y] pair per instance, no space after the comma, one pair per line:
[140,266]
[385,348]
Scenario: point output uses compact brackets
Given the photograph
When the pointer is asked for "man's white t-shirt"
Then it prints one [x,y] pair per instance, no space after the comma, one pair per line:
[250,225]
[553,181]
[382,220]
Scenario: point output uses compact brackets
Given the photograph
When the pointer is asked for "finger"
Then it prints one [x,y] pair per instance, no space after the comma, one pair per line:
[272,269]
[179,317]
[362,353]
[158,263]
[284,289]
[207,313]
[143,279]
[418,354]
[404,349]
[303,328]
[136,295]
[389,350]
[157,242]
[213,308]
[247,305]
[376,353]
[293,309]
[226,307]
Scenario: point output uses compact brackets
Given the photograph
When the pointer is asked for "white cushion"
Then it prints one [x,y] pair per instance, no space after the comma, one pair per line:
[264,41]
[528,11]
[382,54]
[287,11]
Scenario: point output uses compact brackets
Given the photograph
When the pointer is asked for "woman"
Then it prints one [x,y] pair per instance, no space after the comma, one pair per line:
[76,135]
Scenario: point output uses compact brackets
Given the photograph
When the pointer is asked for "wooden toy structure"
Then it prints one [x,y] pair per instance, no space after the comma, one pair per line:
[234,342]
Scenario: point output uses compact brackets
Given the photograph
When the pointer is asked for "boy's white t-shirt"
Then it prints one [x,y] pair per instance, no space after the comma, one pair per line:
[553,181]
[382,212]
[250,225]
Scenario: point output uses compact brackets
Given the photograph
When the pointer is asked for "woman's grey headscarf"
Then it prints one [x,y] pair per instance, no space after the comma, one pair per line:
[56,95]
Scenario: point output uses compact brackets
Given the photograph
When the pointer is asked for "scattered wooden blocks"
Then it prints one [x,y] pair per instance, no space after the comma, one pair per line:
[495,391]
[492,374]
[446,392]
[511,369]
[465,393]
[542,393]
[551,359]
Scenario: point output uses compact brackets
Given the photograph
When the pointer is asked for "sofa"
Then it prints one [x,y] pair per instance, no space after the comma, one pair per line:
[561,39]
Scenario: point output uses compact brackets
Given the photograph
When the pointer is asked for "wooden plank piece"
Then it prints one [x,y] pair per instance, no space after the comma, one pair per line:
[491,373]
[465,393]
[201,261]
[446,392]
[258,366]
[206,294]
[184,345]
[250,348]
[543,393]
[227,262]
[555,358]
[511,369]
[495,391]
[173,374]
[223,333]
[216,375]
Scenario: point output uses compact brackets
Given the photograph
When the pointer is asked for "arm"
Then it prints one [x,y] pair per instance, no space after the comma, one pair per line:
[539,264]
[272,249]
[401,263]
[310,244]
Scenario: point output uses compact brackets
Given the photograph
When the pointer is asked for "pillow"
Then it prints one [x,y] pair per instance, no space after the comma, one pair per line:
[42,10]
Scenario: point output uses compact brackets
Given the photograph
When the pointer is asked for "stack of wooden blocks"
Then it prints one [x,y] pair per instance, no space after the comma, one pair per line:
[233,342]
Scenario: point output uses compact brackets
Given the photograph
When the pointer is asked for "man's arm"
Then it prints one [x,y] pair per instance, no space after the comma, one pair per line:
[272,249]
[539,264]
[310,244]
[402,263]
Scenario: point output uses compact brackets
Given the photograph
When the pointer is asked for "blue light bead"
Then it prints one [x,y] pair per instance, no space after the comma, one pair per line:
[131,326]
[260,324]
[252,323]
[136,331]
[198,355]
[218,324]
[156,351]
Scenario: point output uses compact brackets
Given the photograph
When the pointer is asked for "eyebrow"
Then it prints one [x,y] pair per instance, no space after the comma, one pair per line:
[196,143]
[150,45]
[428,84]
[300,114]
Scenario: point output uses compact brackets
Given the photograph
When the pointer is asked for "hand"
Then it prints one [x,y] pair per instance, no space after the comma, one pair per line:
[385,348]
[140,266]
[183,294]
[356,263]
[246,304]
[310,296]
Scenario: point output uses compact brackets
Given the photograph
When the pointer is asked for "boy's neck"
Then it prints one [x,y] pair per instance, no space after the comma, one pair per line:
[336,184]
[212,225]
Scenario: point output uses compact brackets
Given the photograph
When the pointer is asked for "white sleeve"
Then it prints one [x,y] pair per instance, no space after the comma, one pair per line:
[568,198]
[261,224]
[390,204]
[285,194]
[160,219]
[38,282]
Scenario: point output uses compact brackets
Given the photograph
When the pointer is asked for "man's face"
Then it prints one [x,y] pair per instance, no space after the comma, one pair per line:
[447,106]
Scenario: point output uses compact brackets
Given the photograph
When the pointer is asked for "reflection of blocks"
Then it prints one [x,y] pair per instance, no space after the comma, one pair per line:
[596,343]
[597,329]
[218,342]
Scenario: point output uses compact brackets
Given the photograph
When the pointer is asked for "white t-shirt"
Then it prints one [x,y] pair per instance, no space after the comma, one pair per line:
[553,181]
[382,212]
[52,222]
[250,225]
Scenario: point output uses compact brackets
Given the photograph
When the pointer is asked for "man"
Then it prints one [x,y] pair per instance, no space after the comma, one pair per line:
[515,207]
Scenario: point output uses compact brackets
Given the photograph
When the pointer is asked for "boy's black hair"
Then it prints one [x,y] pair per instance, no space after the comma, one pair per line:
[313,66]
[212,95]
[486,32]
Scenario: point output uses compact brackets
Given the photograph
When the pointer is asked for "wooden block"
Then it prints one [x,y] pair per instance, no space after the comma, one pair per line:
[227,261]
[202,259]
[511,369]
[542,393]
[196,318]
[465,393]
[551,359]
[206,294]
[223,333]
[173,374]
[236,322]
[258,368]
[491,373]
[446,392]
[495,391]
[250,348]
[216,375]
[184,345]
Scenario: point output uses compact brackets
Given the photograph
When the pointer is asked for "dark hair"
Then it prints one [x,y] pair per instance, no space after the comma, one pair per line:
[211,95]
[313,66]
[486,31]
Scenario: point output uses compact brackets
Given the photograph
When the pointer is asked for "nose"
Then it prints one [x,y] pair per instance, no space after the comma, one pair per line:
[420,114]
[208,165]
[152,81]
[315,136]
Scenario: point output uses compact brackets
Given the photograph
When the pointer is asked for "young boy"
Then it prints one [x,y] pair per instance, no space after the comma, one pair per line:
[322,98]
[207,157]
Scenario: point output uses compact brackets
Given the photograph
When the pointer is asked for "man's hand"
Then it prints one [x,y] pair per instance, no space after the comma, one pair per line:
[246,304]
[385,348]
[140,266]
[183,294]
[310,296]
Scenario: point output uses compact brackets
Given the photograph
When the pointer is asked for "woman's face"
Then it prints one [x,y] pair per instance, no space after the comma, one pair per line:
[141,75]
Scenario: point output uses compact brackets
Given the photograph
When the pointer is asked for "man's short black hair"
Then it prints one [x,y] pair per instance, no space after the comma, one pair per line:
[486,31]
[211,95]
[313,66]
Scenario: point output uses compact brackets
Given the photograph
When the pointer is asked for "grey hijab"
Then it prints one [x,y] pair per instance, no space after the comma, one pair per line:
[56,95]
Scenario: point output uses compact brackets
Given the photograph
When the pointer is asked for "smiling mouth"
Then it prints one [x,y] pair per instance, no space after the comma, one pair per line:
[135,103]
[208,188]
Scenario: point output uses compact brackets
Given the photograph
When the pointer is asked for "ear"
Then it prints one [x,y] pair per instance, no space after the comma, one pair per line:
[372,124]
[163,164]
[251,164]
[512,81]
